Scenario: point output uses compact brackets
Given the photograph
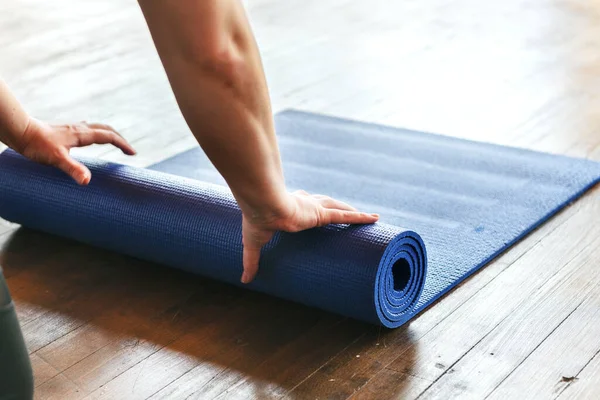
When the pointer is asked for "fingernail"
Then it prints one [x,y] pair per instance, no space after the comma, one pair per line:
[245,278]
[375,215]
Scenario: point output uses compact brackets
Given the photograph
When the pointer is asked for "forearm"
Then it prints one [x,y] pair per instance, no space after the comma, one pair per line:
[214,68]
[13,118]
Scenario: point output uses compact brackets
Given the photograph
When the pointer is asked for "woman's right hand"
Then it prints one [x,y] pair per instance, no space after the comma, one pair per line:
[299,211]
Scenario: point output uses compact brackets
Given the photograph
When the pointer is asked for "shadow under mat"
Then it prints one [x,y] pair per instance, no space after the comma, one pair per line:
[224,336]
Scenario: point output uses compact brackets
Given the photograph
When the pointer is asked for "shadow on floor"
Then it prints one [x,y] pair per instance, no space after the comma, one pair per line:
[96,316]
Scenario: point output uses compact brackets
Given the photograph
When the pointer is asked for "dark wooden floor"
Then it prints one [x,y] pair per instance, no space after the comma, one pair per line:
[518,72]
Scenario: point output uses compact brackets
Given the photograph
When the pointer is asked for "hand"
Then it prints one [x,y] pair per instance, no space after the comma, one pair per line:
[50,145]
[301,211]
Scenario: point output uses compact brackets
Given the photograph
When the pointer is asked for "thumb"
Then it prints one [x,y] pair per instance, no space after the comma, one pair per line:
[253,239]
[74,169]
[251,261]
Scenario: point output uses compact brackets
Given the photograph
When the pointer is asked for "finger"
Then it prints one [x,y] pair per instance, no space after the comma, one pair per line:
[100,136]
[301,192]
[74,169]
[253,239]
[332,216]
[251,260]
[328,202]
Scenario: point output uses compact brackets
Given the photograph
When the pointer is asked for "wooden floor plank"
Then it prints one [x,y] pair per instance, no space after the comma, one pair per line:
[232,344]
[497,355]
[79,293]
[126,335]
[58,388]
[310,351]
[42,371]
[585,385]
[201,379]
[165,365]
[562,356]
[389,384]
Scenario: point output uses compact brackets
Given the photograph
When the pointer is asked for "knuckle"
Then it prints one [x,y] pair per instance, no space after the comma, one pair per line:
[74,128]
[321,217]
[76,131]
[56,153]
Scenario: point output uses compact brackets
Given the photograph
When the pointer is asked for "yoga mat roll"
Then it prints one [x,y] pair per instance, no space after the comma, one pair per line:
[448,206]
[374,273]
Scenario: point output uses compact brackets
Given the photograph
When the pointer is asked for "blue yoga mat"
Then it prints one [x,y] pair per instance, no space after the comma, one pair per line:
[448,206]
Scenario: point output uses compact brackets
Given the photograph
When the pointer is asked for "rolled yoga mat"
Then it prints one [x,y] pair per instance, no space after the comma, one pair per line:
[448,206]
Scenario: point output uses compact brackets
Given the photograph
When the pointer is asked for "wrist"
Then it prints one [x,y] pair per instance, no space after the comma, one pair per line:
[265,205]
[15,131]
[16,138]
[20,140]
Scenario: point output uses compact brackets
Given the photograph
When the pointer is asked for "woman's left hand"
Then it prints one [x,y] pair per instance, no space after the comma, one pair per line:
[50,145]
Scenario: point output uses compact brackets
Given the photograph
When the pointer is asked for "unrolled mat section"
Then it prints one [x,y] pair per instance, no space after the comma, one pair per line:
[374,273]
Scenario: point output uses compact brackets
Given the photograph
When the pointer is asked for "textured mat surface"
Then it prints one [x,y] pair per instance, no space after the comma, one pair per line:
[447,207]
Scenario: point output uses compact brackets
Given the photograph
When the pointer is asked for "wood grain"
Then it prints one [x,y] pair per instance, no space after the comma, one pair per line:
[546,309]
[584,385]
[517,72]
[560,359]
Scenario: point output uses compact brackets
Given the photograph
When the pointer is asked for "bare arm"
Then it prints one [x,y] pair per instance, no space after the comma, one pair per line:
[212,62]
[214,68]
[50,144]
[13,118]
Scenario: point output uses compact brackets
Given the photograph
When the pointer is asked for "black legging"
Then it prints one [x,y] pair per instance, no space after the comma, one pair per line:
[16,377]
